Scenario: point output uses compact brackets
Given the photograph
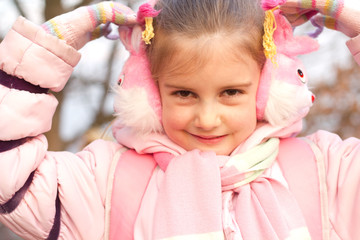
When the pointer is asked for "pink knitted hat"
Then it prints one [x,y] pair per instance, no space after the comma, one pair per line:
[282,98]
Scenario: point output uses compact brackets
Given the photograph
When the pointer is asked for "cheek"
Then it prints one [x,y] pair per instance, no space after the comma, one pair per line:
[175,121]
[252,121]
[174,117]
[244,118]
[251,115]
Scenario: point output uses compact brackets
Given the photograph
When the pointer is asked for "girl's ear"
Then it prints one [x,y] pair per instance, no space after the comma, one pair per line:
[131,38]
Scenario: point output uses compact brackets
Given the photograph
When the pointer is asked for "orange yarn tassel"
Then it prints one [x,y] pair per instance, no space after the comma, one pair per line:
[268,40]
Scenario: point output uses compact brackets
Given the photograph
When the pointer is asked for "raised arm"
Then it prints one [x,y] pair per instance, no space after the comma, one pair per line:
[339,168]
[46,194]
[341,15]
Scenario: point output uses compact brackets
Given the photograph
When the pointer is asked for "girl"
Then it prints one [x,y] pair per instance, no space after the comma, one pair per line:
[208,105]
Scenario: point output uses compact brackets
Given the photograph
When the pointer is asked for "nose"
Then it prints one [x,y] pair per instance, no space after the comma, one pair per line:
[208,116]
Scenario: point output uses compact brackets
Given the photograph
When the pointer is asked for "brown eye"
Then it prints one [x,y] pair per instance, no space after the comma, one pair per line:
[301,75]
[232,92]
[183,93]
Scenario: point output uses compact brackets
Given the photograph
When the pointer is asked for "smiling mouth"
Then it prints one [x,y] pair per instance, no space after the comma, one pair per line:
[209,139]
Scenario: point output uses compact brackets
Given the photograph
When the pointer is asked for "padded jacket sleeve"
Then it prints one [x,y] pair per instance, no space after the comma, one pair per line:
[354,47]
[342,176]
[44,195]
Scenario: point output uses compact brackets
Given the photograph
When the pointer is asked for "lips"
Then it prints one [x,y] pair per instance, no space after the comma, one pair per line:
[209,139]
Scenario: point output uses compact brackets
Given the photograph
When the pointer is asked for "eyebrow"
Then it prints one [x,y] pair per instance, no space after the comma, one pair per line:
[245,84]
[241,85]
[167,85]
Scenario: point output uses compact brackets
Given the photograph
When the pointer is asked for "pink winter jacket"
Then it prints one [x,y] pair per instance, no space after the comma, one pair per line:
[36,184]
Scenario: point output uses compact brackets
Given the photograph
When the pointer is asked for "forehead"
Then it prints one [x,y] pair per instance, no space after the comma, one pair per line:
[190,55]
[219,69]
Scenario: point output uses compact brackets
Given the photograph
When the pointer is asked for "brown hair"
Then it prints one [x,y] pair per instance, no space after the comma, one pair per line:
[239,21]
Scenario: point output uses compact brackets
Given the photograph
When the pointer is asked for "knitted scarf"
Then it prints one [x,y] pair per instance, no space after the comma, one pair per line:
[205,196]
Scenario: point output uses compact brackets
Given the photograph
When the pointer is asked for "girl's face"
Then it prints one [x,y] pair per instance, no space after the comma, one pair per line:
[214,108]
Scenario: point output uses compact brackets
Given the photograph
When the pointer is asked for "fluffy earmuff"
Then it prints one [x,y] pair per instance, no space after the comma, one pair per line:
[283,96]
[137,102]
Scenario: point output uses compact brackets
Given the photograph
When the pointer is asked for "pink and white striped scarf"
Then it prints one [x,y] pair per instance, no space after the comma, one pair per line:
[205,196]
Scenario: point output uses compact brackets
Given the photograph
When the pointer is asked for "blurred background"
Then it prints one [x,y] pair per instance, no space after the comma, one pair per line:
[85,105]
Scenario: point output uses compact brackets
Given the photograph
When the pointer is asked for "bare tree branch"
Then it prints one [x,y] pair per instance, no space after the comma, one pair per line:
[337,105]
[83,3]
[53,136]
[53,8]
[100,116]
